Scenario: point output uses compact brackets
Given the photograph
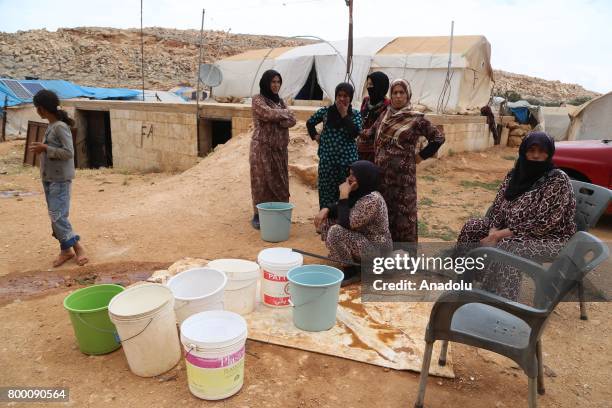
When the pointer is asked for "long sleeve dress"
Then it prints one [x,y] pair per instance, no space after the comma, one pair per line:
[541,220]
[369,115]
[269,158]
[337,150]
[349,232]
[396,156]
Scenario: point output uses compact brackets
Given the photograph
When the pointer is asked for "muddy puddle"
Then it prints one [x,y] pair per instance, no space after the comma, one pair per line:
[26,285]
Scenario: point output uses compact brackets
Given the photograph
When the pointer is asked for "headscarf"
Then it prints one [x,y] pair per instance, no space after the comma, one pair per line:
[367,175]
[527,172]
[333,116]
[395,120]
[380,87]
[265,85]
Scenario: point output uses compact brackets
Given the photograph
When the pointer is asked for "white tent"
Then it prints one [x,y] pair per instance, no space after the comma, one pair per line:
[557,120]
[423,61]
[592,120]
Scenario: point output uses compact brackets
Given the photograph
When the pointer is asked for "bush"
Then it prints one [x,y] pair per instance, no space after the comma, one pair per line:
[579,100]
[513,96]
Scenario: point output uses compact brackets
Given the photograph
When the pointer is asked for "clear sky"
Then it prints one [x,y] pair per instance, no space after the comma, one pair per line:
[566,40]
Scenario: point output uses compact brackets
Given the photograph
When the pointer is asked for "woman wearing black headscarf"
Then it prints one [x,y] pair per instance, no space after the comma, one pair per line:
[531,216]
[358,221]
[337,147]
[372,106]
[269,158]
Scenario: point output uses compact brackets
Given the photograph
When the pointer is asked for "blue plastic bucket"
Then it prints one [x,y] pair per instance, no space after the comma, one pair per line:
[314,291]
[274,221]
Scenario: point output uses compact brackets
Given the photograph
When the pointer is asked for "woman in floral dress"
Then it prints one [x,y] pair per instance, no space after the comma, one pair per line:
[532,216]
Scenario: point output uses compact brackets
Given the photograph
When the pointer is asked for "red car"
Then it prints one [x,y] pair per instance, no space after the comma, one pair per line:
[586,160]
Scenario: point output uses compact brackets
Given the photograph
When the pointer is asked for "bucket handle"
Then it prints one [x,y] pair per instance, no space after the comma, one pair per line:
[311,300]
[78,315]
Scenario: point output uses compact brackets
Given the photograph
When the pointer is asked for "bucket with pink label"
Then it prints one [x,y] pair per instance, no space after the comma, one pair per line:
[274,264]
[214,344]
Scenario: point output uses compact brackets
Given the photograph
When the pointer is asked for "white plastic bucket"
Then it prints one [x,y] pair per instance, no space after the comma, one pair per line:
[241,289]
[197,290]
[146,325]
[214,344]
[275,263]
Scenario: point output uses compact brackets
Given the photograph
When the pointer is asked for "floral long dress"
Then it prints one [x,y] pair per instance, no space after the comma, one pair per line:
[541,220]
[268,157]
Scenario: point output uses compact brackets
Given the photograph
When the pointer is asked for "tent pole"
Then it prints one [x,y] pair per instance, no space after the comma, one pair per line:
[349,53]
[198,84]
[142,53]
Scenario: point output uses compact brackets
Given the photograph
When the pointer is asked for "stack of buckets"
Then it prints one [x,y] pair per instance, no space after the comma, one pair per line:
[143,318]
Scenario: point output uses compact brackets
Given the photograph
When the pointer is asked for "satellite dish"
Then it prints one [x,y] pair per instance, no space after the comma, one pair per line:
[210,75]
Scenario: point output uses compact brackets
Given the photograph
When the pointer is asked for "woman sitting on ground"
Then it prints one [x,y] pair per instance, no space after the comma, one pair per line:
[269,157]
[532,216]
[358,221]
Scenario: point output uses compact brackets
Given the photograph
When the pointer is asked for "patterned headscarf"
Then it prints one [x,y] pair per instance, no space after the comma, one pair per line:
[396,121]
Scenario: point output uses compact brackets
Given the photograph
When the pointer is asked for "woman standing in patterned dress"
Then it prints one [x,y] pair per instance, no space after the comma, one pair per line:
[337,147]
[358,221]
[269,158]
[372,107]
[397,132]
[532,216]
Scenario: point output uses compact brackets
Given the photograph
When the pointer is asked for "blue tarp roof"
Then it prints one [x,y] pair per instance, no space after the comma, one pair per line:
[67,90]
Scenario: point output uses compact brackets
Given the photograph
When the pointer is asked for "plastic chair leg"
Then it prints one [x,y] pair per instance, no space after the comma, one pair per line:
[583,312]
[424,374]
[443,352]
[533,392]
[541,389]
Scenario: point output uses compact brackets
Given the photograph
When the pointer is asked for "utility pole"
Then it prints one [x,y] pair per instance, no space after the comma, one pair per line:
[349,52]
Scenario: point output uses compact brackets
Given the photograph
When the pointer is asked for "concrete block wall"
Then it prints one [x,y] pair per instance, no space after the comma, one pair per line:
[153,141]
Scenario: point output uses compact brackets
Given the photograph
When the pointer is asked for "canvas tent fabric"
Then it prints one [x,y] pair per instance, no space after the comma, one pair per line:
[423,61]
[592,120]
[557,120]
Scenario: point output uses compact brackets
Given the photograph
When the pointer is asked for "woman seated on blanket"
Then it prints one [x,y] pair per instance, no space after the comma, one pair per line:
[358,221]
[532,215]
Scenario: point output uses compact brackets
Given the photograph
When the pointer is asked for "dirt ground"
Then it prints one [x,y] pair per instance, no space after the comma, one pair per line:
[133,224]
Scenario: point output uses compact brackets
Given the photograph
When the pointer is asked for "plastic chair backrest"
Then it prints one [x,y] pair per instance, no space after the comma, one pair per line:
[591,202]
[581,255]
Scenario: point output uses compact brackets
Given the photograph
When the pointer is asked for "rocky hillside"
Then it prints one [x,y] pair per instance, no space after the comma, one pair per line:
[538,89]
[111,57]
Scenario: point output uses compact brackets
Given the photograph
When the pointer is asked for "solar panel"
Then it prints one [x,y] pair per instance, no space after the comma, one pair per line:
[17,89]
[32,87]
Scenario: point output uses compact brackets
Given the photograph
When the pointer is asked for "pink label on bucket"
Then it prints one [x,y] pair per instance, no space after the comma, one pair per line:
[275,278]
[218,362]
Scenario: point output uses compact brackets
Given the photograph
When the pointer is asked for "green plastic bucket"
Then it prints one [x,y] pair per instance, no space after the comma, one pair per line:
[274,221]
[314,291]
[88,310]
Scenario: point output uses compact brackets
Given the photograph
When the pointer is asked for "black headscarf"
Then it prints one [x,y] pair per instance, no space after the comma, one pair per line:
[367,175]
[378,92]
[333,116]
[265,83]
[527,172]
